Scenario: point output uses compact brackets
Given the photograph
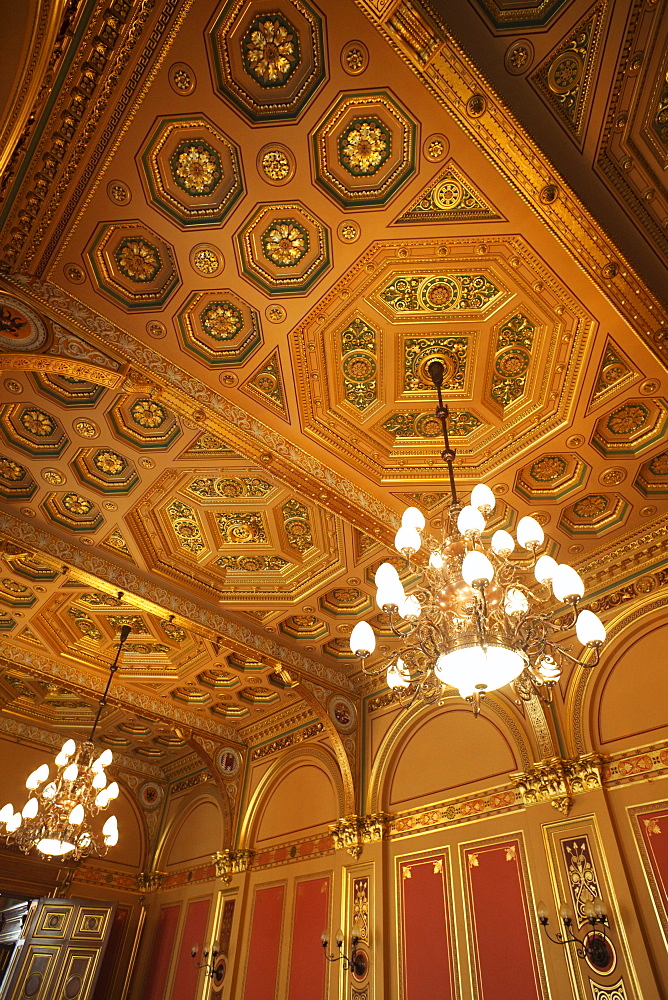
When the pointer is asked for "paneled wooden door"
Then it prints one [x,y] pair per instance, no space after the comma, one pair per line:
[62,950]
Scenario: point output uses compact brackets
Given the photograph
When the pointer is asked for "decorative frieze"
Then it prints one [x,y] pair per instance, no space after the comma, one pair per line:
[556,781]
[352,832]
[229,863]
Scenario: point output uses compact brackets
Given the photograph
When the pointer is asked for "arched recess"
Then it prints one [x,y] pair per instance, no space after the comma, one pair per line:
[484,751]
[605,718]
[307,692]
[192,834]
[318,770]
[206,749]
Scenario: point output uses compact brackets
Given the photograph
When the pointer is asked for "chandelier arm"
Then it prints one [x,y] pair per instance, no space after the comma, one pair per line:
[125,632]
[578,662]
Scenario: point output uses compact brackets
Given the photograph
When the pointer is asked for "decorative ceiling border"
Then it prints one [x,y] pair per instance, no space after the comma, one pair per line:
[150,596]
[194,400]
[415,31]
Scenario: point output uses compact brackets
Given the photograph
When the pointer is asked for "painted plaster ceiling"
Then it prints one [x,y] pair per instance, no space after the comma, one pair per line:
[233,237]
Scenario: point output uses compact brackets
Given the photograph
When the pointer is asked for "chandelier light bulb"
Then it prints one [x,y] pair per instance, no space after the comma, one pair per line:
[483,498]
[502,542]
[14,823]
[390,595]
[541,910]
[77,815]
[102,799]
[545,569]
[413,518]
[410,608]
[30,809]
[71,772]
[386,573]
[111,839]
[105,758]
[549,670]
[515,602]
[407,541]
[397,675]
[470,521]
[68,747]
[39,775]
[567,583]
[112,790]
[436,560]
[530,535]
[110,825]
[590,629]
[476,568]
[62,759]
[100,780]
[6,813]
[49,791]
[362,639]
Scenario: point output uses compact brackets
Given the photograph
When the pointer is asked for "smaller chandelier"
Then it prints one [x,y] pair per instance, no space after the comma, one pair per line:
[482,615]
[56,819]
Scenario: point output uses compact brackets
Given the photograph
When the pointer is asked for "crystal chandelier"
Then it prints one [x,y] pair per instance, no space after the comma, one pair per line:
[56,819]
[483,614]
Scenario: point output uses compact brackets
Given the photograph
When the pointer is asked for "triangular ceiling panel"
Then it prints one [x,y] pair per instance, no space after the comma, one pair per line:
[565,78]
[208,446]
[266,385]
[452,197]
[615,372]
[116,543]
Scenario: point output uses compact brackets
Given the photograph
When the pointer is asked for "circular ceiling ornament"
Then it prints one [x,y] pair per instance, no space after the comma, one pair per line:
[354,58]
[21,329]
[228,761]
[11,385]
[519,56]
[182,79]
[348,232]
[151,794]
[74,274]
[275,163]
[86,428]
[435,147]
[276,314]
[206,260]
[342,712]
[118,192]
[156,329]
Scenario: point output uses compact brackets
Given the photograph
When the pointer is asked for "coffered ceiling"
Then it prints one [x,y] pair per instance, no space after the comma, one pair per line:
[233,237]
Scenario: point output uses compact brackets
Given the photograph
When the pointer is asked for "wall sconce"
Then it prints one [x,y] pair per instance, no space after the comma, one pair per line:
[594,946]
[357,963]
[216,970]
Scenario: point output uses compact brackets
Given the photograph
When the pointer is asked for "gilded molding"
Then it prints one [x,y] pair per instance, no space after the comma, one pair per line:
[350,833]
[229,863]
[478,110]
[557,781]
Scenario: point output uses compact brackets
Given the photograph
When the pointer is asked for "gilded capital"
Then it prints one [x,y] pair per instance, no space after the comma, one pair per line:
[229,863]
[557,781]
[352,832]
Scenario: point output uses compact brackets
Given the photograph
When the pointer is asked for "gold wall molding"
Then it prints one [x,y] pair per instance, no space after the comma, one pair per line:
[558,781]
[63,366]
[229,863]
[351,833]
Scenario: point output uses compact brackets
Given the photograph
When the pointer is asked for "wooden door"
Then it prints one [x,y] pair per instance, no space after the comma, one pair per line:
[62,951]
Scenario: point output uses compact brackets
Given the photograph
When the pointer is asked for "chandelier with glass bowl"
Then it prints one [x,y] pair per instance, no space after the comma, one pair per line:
[57,820]
[483,614]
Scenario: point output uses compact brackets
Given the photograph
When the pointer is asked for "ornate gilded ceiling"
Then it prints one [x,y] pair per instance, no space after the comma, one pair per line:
[233,238]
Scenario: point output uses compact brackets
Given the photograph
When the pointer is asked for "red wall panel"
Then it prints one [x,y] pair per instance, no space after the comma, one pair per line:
[161,953]
[265,943]
[311,917]
[194,929]
[426,965]
[505,959]
[654,830]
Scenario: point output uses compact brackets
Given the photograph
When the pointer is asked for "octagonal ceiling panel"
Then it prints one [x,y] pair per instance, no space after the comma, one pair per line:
[365,149]
[506,329]
[219,327]
[284,248]
[192,170]
[268,62]
[631,428]
[34,430]
[133,265]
